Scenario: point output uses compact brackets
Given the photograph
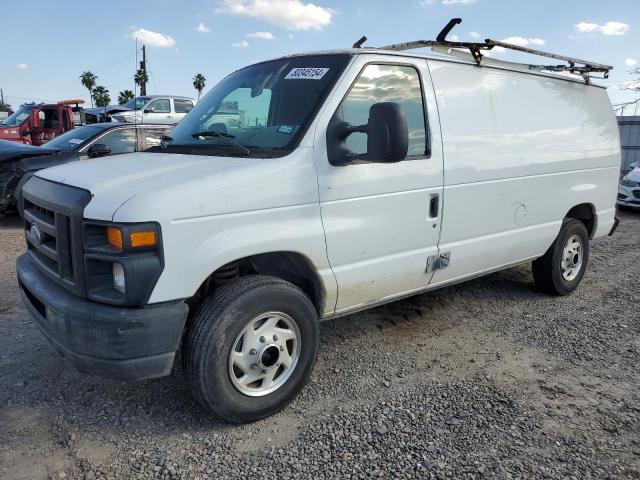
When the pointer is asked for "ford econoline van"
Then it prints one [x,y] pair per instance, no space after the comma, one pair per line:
[346,180]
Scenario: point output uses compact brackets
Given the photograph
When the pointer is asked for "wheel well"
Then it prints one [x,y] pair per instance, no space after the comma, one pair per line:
[290,266]
[585,213]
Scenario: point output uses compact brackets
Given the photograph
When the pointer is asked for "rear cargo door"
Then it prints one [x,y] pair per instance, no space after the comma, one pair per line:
[381,220]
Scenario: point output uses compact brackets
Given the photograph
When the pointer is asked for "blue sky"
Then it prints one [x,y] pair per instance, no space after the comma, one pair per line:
[46,46]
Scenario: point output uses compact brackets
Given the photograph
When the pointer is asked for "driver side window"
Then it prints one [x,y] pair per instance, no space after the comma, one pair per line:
[385,83]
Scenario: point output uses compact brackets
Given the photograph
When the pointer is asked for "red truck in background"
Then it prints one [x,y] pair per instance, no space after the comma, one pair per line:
[37,123]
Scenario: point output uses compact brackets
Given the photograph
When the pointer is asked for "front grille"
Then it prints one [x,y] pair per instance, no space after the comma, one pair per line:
[49,244]
[636,193]
[53,230]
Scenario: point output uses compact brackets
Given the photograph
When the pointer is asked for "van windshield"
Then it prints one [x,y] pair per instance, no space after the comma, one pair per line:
[263,109]
[17,117]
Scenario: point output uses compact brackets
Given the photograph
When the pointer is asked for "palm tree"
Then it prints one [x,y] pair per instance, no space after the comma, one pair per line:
[199,83]
[124,96]
[141,78]
[88,80]
[101,96]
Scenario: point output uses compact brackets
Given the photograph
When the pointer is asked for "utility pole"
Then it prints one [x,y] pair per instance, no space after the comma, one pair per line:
[143,67]
[1,96]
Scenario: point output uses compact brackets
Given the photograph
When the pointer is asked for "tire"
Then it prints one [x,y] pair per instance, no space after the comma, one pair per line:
[215,332]
[550,274]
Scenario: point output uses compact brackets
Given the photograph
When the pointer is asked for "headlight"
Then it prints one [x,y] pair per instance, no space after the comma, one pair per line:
[123,261]
[625,182]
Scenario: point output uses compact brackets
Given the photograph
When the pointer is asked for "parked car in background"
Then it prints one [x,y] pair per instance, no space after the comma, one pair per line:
[37,123]
[629,189]
[156,109]
[19,162]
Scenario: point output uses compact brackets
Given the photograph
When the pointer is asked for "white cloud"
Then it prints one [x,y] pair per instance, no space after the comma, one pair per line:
[153,39]
[524,42]
[516,40]
[474,34]
[291,14]
[630,62]
[202,28]
[22,66]
[614,28]
[458,2]
[609,28]
[585,27]
[631,85]
[242,44]
[261,35]
[453,38]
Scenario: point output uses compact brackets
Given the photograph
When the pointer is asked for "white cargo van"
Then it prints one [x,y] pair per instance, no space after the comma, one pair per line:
[352,178]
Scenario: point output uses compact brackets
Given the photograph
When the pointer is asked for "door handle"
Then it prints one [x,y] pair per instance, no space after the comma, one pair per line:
[434,204]
[169,116]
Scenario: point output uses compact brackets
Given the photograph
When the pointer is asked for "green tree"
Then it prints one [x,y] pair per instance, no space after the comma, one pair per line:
[5,107]
[124,96]
[88,81]
[199,83]
[141,77]
[101,96]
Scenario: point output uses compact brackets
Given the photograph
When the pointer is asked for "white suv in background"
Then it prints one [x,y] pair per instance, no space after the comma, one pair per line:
[629,189]
[157,109]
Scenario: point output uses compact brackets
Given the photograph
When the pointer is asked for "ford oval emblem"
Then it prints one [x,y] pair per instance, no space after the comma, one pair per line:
[36,235]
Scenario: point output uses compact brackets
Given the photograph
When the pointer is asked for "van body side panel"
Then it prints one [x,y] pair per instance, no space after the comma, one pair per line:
[519,152]
[229,209]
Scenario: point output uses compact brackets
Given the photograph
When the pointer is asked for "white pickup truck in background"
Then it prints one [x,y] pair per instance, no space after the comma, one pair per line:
[346,179]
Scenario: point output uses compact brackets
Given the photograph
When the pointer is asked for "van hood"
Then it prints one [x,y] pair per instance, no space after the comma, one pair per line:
[114,180]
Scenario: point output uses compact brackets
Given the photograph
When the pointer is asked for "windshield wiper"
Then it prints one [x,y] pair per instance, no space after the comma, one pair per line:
[227,137]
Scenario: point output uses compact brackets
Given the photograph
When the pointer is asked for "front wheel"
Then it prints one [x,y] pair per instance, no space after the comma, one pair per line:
[251,348]
[560,270]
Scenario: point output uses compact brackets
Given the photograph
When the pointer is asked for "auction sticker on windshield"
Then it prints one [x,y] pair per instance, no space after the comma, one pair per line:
[306,73]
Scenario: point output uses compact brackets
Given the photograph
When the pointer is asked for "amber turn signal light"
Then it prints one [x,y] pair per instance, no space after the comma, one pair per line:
[143,239]
[114,237]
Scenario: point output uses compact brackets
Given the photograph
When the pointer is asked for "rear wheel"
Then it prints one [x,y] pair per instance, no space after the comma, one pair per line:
[251,348]
[560,270]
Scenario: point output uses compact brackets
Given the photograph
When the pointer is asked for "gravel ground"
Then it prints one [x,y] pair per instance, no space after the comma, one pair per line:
[487,379]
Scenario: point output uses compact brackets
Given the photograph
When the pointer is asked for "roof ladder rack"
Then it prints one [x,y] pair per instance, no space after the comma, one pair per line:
[574,65]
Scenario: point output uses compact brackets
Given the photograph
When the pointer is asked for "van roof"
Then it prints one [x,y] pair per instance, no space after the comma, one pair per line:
[488,62]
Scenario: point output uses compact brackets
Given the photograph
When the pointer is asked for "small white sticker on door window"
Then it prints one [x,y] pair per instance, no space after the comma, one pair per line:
[306,73]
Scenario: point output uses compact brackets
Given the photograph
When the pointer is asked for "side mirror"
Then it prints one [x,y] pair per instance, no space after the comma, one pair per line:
[149,109]
[387,133]
[34,119]
[98,150]
[387,136]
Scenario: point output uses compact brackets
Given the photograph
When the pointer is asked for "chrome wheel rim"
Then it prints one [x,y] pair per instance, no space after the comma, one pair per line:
[572,255]
[264,354]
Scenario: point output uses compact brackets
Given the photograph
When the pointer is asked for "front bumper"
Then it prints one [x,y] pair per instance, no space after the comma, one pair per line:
[114,342]
[628,196]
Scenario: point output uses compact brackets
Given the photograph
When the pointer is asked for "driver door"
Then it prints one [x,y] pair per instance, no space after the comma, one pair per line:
[381,220]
